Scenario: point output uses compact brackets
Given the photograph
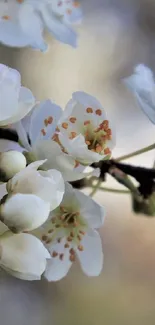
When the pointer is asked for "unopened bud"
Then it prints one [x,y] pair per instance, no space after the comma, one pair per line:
[144,206]
[11,162]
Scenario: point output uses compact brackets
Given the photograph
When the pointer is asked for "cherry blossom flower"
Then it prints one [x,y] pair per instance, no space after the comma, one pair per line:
[58,17]
[15,101]
[35,132]
[22,22]
[142,85]
[85,132]
[69,140]
[31,196]
[23,255]
[70,233]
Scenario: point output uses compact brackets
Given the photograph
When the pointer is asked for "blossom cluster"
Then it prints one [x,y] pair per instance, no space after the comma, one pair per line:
[46,224]
[23,22]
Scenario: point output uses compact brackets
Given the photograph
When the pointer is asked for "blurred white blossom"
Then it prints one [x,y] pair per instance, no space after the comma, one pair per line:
[142,85]
[15,101]
[22,22]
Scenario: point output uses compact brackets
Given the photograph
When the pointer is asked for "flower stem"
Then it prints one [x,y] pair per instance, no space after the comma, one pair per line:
[135,153]
[95,188]
[112,190]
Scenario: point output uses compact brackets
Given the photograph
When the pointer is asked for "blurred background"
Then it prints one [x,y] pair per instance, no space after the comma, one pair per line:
[114,37]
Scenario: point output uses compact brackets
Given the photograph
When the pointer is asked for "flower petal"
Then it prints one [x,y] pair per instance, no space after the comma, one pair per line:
[18,181]
[55,157]
[22,135]
[79,150]
[142,85]
[32,26]
[23,255]
[91,258]
[40,128]
[12,35]
[6,145]
[26,103]
[90,210]
[55,191]
[86,99]
[57,268]
[24,212]
[48,185]
[57,28]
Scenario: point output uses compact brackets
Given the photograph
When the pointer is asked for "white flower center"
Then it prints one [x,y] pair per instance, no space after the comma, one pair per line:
[69,225]
[96,134]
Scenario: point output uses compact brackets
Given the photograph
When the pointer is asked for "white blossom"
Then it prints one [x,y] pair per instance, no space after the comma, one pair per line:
[22,22]
[69,140]
[23,255]
[85,132]
[11,162]
[142,85]
[15,101]
[31,196]
[70,233]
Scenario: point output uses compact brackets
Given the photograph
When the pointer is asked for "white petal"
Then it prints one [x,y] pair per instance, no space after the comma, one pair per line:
[19,109]
[147,105]
[18,127]
[12,35]
[91,258]
[90,210]
[26,103]
[55,157]
[18,182]
[86,99]
[23,255]
[32,26]
[6,145]
[79,150]
[55,191]
[10,75]
[143,86]
[42,112]
[24,212]
[58,29]
[70,199]
[48,185]
[57,268]
[9,101]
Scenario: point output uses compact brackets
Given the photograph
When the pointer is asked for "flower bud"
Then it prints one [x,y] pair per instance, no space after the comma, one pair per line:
[144,206]
[11,162]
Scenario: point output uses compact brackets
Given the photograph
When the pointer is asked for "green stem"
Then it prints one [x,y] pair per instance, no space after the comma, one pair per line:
[112,190]
[95,188]
[135,153]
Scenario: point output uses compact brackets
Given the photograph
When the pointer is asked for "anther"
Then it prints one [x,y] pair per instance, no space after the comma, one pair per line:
[44,237]
[65,125]
[80,248]
[89,110]
[61,256]
[54,254]
[98,112]
[72,119]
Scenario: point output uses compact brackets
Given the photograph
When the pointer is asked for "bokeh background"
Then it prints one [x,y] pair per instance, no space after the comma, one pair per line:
[114,37]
